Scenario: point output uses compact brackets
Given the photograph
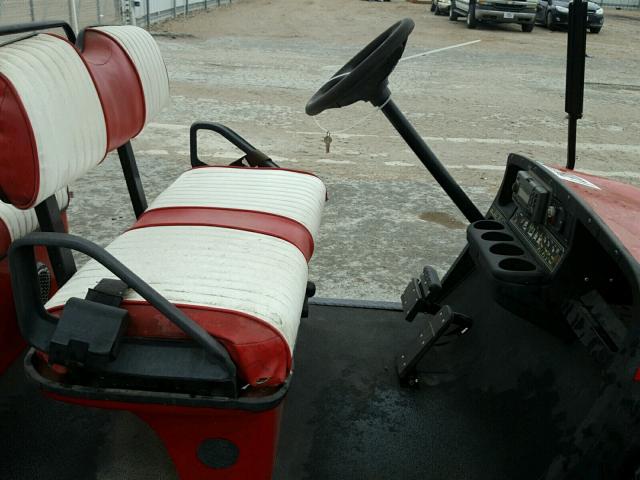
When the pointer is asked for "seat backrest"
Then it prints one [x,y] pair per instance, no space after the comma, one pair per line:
[52,126]
[62,110]
[130,75]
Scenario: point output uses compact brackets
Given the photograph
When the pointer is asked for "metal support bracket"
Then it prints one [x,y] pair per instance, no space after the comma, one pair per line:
[132,177]
[445,323]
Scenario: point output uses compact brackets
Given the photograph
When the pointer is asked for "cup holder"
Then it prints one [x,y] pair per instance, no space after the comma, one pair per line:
[500,253]
[497,237]
[488,225]
[506,249]
[516,265]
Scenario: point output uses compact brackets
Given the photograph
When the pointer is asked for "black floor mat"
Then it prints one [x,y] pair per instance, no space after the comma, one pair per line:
[345,416]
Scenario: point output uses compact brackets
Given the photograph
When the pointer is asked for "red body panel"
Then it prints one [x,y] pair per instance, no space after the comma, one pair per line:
[118,85]
[617,204]
[183,429]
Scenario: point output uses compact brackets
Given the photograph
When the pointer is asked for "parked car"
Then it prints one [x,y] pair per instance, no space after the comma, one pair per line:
[555,13]
[440,7]
[500,11]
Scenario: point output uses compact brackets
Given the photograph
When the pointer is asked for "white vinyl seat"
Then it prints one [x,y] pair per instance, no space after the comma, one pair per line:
[245,288]
[298,196]
[228,246]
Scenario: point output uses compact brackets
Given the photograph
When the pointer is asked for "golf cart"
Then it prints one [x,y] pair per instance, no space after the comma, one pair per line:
[521,362]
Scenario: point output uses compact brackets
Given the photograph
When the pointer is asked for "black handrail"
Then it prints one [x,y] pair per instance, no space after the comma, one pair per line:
[254,157]
[37,324]
[36,26]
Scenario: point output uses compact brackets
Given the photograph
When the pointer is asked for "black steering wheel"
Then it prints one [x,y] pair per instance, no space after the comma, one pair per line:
[364,77]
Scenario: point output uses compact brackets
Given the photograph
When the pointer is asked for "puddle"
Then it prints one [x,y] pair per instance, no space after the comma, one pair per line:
[442,218]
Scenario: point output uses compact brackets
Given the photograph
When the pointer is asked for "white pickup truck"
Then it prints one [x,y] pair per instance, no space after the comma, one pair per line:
[495,11]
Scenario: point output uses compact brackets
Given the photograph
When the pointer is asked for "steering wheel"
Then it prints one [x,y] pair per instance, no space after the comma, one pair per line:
[364,77]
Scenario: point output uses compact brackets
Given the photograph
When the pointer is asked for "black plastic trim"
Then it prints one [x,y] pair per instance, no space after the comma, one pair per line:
[132,179]
[50,220]
[252,404]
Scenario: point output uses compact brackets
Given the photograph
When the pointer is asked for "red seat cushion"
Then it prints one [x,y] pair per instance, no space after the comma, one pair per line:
[118,86]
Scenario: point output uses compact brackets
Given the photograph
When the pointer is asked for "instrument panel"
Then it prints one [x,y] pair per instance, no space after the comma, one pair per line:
[535,211]
[544,244]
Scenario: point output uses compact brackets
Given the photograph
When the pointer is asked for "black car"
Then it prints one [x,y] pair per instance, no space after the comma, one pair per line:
[555,13]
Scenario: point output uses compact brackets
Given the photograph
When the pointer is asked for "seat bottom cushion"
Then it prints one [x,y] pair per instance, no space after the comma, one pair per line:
[273,201]
[246,289]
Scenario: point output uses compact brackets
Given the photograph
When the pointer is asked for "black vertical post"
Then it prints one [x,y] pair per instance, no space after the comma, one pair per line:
[50,220]
[132,177]
[576,53]
[148,8]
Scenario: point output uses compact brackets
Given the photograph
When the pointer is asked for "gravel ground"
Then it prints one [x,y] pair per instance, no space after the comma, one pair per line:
[254,65]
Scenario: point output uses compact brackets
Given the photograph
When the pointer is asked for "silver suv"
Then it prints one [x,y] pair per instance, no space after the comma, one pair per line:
[500,11]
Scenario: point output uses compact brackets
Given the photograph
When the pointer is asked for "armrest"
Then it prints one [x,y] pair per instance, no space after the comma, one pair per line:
[38,326]
[253,156]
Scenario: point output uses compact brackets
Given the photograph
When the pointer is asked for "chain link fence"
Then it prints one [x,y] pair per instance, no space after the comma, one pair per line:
[80,13]
[148,12]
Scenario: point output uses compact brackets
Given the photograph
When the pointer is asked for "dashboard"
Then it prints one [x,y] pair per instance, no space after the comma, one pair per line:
[550,259]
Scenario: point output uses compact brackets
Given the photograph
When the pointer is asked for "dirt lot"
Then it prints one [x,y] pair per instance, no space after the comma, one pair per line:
[254,65]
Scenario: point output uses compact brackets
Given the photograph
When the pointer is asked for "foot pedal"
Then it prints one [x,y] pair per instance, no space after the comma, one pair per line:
[445,323]
[417,295]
